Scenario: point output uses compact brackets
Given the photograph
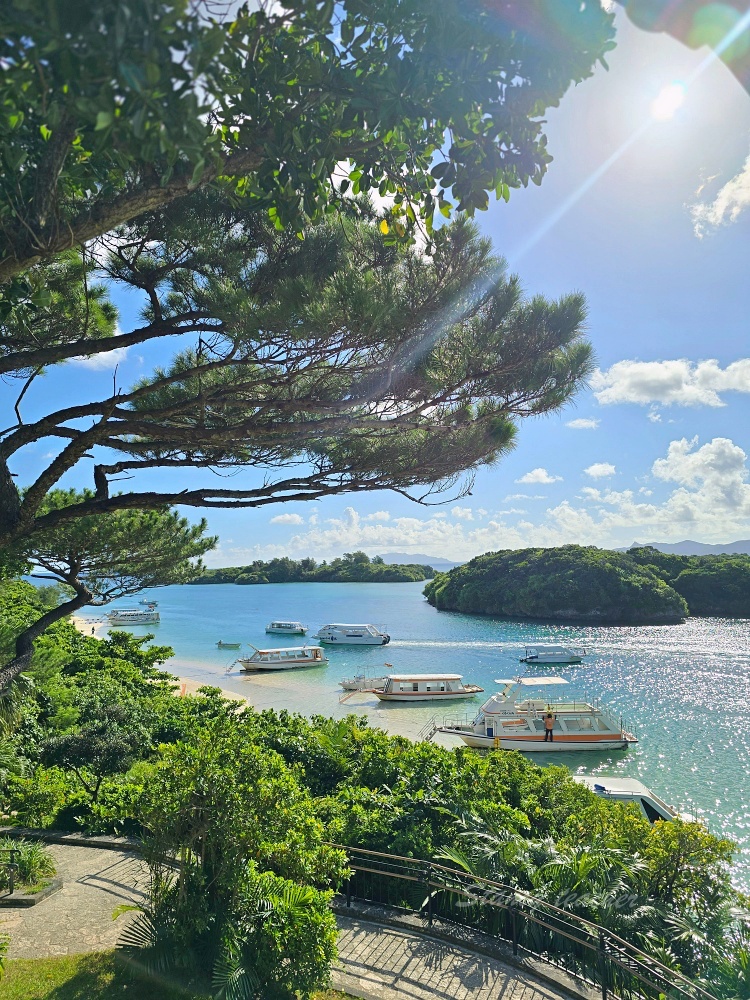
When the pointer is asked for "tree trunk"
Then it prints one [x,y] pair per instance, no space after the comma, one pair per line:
[25,641]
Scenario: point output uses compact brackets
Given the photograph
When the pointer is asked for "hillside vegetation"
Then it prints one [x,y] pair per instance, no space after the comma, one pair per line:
[354,567]
[571,583]
[577,583]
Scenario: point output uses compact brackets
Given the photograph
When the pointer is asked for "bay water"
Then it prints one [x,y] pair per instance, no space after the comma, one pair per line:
[683,689]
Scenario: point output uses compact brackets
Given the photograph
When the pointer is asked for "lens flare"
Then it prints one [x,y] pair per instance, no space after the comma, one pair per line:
[668,102]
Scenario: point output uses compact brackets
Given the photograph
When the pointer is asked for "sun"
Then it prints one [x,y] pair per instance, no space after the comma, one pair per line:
[668,101]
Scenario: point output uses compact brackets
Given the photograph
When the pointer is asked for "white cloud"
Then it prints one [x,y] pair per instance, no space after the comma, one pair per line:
[730,202]
[680,382]
[379,515]
[287,519]
[709,500]
[105,361]
[600,470]
[463,513]
[583,424]
[654,416]
[524,496]
[539,476]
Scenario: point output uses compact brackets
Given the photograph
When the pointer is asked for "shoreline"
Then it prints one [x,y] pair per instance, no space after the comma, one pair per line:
[271,690]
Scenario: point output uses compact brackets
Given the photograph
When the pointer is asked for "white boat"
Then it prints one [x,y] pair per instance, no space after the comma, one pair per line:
[132,616]
[148,603]
[284,659]
[286,628]
[511,721]
[362,682]
[352,635]
[552,655]
[629,790]
[425,687]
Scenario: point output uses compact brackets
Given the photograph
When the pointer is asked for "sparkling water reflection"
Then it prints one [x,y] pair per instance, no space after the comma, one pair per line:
[685,689]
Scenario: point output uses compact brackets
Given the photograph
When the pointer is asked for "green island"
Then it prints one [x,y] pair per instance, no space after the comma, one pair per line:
[354,567]
[249,804]
[585,584]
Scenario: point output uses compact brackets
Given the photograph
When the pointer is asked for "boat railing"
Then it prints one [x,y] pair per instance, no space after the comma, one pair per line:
[529,925]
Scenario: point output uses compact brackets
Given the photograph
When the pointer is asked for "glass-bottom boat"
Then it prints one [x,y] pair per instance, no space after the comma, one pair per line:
[425,687]
[284,659]
[510,721]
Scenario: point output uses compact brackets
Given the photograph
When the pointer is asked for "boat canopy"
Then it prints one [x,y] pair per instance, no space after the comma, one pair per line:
[288,649]
[424,677]
[531,681]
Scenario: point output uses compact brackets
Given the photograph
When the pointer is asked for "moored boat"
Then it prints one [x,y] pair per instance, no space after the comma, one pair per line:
[352,635]
[283,627]
[289,658]
[425,687]
[228,645]
[629,790]
[148,602]
[362,682]
[132,616]
[510,721]
[552,655]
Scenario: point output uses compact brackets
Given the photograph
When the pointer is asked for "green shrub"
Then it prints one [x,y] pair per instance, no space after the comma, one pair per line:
[35,863]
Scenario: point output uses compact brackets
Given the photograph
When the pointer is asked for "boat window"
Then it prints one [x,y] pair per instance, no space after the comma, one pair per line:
[415,686]
[442,686]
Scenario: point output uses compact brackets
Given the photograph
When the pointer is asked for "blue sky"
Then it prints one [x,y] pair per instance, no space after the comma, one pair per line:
[657,449]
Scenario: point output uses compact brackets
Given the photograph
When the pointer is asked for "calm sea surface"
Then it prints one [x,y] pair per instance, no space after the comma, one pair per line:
[683,689]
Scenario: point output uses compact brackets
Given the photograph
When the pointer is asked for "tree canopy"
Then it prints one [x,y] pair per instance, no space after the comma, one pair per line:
[354,567]
[569,583]
[113,108]
[341,362]
[102,557]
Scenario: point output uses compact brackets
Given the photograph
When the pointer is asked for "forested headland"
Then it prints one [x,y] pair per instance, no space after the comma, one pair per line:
[587,584]
[353,567]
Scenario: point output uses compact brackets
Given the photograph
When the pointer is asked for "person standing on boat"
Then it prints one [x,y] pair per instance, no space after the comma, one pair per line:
[549,722]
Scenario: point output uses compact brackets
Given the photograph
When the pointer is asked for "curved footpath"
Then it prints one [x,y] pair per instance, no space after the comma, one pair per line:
[376,962]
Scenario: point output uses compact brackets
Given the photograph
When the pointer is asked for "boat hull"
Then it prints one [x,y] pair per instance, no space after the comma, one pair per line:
[531,744]
[559,662]
[424,695]
[370,640]
[286,631]
[147,618]
[252,668]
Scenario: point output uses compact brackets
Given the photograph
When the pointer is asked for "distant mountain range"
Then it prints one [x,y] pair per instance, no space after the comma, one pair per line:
[689,548]
[404,558]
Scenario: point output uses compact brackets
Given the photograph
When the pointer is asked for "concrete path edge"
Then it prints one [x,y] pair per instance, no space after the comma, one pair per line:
[468,939]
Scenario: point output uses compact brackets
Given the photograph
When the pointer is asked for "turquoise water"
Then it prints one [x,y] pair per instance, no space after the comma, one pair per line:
[684,689]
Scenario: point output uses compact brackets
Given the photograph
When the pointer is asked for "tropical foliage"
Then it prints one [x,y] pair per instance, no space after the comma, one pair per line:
[711,585]
[247,803]
[570,583]
[354,567]
[35,863]
[99,557]
[113,108]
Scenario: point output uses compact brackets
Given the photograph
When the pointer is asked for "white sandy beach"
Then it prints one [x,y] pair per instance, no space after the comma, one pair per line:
[277,690]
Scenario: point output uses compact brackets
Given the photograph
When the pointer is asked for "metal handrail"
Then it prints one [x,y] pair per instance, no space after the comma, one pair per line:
[11,866]
[618,967]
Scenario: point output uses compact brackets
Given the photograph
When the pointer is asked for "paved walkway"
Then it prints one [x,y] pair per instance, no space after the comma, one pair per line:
[78,918]
[384,963]
[375,961]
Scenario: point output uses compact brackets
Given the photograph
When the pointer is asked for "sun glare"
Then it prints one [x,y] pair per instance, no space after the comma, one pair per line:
[669,100]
